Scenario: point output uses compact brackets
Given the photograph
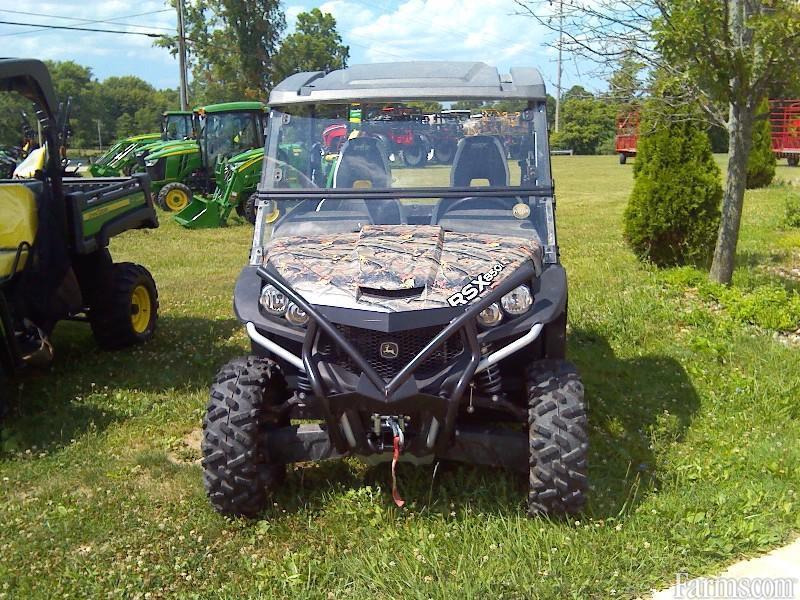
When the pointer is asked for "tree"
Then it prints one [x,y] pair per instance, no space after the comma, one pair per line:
[726,55]
[586,122]
[232,47]
[761,162]
[673,212]
[315,45]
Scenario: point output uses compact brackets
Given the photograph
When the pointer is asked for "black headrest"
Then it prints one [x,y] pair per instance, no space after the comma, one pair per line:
[363,159]
[479,157]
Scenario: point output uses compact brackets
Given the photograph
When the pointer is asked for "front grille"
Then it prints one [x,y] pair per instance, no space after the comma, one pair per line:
[409,343]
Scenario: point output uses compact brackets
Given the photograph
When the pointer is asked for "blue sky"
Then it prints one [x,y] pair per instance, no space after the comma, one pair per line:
[375,30]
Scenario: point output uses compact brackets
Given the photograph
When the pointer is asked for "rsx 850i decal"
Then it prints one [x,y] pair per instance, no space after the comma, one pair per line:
[475,287]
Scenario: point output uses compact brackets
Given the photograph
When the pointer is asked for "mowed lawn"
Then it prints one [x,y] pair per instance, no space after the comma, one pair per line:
[694,417]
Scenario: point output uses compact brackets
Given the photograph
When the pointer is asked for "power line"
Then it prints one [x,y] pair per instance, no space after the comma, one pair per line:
[113,21]
[94,30]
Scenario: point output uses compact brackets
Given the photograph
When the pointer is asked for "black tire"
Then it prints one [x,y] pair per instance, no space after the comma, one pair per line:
[239,209]
[416,154]
[793,161]
[174,190]
[623,158]
[445,153]
[237,473]
[127,313]
[558,439]
[250,208]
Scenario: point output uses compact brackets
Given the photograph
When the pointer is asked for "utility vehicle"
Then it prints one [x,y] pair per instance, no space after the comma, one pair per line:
[54,234]
[413,314]
[178,170]
[120,159]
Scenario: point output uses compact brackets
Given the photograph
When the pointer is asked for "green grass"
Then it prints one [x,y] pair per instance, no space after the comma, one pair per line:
[694,427]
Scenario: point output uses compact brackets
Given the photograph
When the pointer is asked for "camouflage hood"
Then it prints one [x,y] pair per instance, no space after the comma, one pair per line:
[392,268]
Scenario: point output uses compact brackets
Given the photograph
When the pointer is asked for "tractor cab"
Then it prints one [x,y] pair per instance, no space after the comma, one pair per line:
[178,125]
[230,129]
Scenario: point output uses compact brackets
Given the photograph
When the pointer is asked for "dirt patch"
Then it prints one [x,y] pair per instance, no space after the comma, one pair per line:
[187,449]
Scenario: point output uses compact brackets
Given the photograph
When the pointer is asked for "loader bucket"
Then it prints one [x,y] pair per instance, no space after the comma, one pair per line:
[201,213]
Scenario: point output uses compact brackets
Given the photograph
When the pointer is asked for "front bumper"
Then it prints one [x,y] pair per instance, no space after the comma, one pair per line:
[341,395]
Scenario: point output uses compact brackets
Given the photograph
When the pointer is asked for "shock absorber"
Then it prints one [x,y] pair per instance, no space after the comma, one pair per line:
[489,380]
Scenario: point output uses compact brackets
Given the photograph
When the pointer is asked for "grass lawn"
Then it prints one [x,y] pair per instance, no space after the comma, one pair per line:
[694,415]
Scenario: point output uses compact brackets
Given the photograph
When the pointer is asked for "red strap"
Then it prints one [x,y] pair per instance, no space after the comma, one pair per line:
[396,494]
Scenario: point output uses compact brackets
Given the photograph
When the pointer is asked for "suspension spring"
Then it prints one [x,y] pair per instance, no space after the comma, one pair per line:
[303,384]
[489,380]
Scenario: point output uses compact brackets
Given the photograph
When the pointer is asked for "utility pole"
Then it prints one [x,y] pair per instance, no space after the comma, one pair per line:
[184,91]
[99,137]
[558,68]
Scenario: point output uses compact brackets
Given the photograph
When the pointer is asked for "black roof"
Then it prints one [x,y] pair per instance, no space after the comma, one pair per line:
[417,80]
[30,78]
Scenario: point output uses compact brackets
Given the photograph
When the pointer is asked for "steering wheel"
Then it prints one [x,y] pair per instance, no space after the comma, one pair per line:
[498,203]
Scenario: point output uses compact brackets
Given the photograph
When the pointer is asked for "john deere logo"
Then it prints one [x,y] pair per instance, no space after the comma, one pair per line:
[390,350]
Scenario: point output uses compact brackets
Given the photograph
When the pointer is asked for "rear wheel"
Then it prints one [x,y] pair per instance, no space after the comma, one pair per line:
[127,313]
[623,158]
[558,440]
[174,197]
[417,153]
[242,408]
[793,161]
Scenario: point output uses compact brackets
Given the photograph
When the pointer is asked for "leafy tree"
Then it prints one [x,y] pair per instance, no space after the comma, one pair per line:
[232,47]
[727,56]
[761,162]
[315,45]
[586,122]
[673,212]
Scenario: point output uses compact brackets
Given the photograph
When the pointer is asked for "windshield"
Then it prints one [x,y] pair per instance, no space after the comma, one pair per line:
[331,169]
[178,127]
[226,134]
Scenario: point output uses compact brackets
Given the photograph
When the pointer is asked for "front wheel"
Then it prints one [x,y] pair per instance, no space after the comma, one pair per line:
[243,407]
[793,161]
[250,208]
[558,440]
[126,314]
[623,158]
[174,197]
[444,153]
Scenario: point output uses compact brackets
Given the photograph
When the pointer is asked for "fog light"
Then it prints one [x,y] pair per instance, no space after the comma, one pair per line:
[273,301]
[491,315]
[296,315]
[518,301]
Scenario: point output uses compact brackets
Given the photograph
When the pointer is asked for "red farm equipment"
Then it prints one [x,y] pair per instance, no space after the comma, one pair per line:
[627,136]
[784,117]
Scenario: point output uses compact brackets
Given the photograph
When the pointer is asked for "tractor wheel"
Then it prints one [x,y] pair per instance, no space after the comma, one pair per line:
[174,197]
[250,208]
[127,313]
[558,441]
[242,408]
[445,154]
[240,209]
[623,158]
[793,161]
[416,154]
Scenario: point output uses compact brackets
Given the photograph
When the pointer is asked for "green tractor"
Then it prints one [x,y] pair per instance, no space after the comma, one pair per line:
[178,170]
[237,179]
[54,235]
[120,159]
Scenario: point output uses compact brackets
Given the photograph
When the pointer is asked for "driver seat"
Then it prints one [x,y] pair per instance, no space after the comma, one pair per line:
[363,165]
[477,157]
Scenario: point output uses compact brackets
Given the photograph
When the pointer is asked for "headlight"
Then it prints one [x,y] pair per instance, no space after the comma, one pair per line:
[273,301]
[296,315]
[518,301]
[491,315]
